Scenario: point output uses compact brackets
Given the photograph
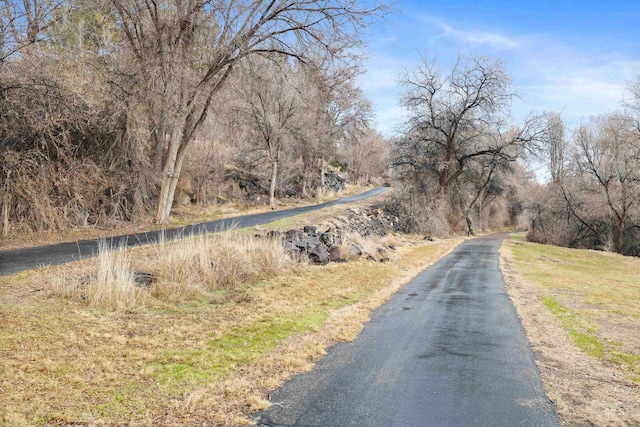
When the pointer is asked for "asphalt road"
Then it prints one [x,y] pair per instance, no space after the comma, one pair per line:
[16,260]
[447,350]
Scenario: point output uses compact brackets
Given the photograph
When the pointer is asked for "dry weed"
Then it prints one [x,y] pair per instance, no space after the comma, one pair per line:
[111,285]
[62,286]
[190,268]
[372,247]
[184,262]
[114,284]
[269,257]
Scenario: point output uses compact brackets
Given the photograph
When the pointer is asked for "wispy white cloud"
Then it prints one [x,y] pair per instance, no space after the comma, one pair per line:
[493,39]
[549,71]
[577,83]
[382,72]
[380,83]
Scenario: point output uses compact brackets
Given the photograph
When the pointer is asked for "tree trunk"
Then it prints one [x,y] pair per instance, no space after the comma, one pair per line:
[321,174]
[5,214]
[481,224]
[272,187]
[202,193]
[170,175]
[469,225]
[619,237]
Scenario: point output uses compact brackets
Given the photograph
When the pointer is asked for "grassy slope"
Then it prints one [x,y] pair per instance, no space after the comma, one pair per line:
[207,362]
[587,291]
[581,310]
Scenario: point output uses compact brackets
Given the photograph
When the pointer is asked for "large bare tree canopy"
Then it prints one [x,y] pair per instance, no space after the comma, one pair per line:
[184,51]
[595,201]
[270,108]
[458,116]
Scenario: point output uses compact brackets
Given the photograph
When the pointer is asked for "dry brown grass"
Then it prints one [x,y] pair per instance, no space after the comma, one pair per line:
[213,262]
[112,284]
[580,311]
[208,362]
[185,270]
[370,247]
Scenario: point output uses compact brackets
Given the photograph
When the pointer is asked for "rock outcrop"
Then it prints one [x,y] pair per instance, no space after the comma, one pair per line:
[333,181]
[323,244]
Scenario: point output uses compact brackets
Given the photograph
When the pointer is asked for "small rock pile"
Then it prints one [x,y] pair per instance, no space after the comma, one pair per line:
[320,247]
[324,244]
[372,221]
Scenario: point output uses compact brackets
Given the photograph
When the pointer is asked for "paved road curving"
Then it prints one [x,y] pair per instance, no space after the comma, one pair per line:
[447,350]
[14,261]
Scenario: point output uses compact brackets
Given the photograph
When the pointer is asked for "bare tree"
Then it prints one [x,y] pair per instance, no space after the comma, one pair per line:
[458,117]
[206,160]
[483,185]
[608,166]
[269,110]
[595,200]
[366,154]
[334,107]
[555,146]
[24,23]
[184,52]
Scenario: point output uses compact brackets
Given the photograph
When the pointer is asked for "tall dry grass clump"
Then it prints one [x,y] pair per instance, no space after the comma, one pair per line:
[183,270]
[268,256]
[190,268]
[113,285]
[183,267]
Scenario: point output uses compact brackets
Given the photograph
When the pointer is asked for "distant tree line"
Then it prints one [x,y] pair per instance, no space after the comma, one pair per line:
[111,108]
[459,157]
[593,197]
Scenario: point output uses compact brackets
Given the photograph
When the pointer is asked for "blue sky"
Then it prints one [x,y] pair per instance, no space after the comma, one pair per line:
[574,57]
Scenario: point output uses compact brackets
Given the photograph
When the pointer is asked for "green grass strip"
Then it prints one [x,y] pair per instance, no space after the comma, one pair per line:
[224,355]
[580,335]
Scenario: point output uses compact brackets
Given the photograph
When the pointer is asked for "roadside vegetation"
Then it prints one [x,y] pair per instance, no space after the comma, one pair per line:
[581,310]
[123,116]
[228,318]
[116,112]
[592,199]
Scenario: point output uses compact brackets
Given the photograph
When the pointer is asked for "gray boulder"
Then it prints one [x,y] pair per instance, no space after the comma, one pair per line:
[334,253]
[327,238]
[295,246]
[333,181]
[355,250]
[319,255]
[312,242]
[294,235]
[143,279]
